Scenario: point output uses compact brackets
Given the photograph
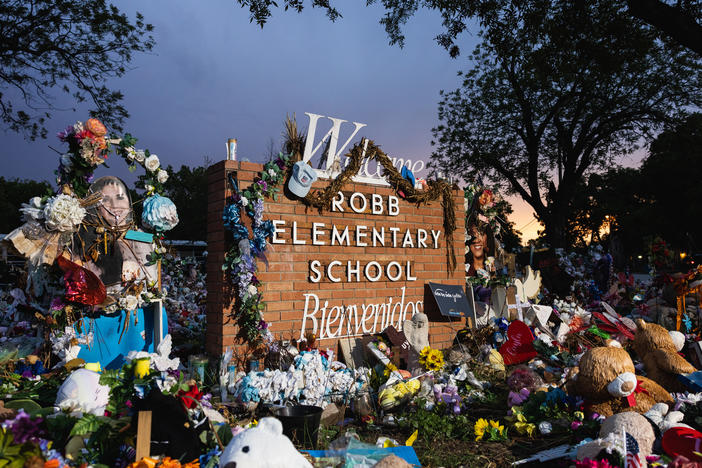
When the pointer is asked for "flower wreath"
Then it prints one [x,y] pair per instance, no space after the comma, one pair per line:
[240,260]
[51,222]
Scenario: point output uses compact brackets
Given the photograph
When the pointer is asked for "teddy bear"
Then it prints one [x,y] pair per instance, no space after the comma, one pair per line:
[610,437]
[656,348]
[262,446]
[607,381]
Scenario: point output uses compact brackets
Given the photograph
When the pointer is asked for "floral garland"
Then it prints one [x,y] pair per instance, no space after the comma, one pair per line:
[240,260]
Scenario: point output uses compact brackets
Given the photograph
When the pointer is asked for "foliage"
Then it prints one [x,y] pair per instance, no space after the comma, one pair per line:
[14,455]
[240,260]
[14,192]
[558,91]
[187,188]
[76,46]
[632,202]
[436,424]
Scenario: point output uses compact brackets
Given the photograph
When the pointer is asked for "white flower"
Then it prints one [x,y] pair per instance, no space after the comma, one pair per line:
[149,188]
[272,173]
[129,302]
[161,176]
[33,210]
[63,213]
[131,153]
[140,156]
[244,201]
[78,127]
[252,289]
[152,163]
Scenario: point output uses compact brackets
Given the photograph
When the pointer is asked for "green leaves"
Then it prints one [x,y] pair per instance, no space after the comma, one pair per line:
[87,424]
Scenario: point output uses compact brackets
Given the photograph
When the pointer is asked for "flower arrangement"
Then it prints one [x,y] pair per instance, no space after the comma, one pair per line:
[482,204]
[431,359]
[489,430]
[240,260]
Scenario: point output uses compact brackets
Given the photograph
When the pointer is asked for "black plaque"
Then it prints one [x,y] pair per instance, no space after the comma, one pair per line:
[452,301]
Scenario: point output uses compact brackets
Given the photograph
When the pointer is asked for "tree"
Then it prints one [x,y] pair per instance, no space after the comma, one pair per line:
[558,90]
[680,20]
[14,192]
[72,45]
[188,190]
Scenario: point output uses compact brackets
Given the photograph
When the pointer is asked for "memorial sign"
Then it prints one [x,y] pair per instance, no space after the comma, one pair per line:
[347,271]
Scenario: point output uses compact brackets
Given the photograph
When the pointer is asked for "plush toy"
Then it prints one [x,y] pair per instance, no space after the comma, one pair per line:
[658,352]
[262,446]
[82,391]
[607,382]
[611,436]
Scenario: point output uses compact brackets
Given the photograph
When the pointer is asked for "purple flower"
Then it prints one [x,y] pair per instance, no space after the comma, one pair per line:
[280,163]
[24,428]
[262,325]
[575,424]
[63,135]
[57,304]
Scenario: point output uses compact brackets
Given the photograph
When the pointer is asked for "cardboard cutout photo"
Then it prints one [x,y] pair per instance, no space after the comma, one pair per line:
[121,260]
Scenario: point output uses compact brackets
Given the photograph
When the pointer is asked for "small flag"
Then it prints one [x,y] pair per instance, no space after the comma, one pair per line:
[632,452]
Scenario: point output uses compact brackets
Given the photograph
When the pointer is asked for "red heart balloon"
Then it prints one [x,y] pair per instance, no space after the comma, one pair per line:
[82,285]
[519,346]
[683,441]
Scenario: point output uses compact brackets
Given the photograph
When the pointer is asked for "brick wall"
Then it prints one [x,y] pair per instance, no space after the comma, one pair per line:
[287,278]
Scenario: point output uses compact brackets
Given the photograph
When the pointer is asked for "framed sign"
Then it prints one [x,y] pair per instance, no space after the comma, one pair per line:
[452,301]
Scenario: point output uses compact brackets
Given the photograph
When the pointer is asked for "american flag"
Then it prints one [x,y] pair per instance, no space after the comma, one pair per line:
[632,452]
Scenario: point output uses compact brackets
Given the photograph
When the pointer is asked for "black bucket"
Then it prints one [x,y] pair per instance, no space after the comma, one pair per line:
[300,424]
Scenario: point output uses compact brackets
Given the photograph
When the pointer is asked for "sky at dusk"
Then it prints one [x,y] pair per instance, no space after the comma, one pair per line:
[213,75]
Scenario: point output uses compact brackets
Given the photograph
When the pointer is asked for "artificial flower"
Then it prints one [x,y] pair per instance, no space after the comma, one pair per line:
[431,359]
[191,397]
[129,302]
[486,199]
[152,163]
[522,426]
[252,290]
[63,213]
[96,127]
[480,427]
[159,213]
[130,153]
[32,211]
[140,156]
[161,176]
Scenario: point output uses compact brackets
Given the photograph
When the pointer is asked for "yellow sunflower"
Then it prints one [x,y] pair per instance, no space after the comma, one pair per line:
[480,426]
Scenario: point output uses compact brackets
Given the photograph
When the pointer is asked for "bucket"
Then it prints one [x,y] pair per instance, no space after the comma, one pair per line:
[300,424]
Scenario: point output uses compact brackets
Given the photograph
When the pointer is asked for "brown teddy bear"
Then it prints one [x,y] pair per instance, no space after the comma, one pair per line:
[660,357]
[607,381]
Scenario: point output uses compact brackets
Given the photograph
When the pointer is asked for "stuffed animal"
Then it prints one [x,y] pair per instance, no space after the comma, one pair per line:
[263,446]
[658,352]
[607,382]
[611,437]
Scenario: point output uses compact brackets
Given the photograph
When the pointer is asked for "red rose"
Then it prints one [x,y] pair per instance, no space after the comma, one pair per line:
[190,397]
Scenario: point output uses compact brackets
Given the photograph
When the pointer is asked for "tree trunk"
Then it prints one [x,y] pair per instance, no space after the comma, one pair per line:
[555,226]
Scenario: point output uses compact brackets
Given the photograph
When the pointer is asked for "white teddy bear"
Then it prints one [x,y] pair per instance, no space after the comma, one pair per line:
[263,446]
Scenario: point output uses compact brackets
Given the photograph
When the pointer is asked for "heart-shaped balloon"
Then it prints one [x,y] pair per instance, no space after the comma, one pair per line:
[82,285]
[519,346]
[683,441]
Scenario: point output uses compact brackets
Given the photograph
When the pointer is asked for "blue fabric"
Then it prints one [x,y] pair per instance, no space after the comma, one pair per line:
[107,329]
[407,174]
[406,453]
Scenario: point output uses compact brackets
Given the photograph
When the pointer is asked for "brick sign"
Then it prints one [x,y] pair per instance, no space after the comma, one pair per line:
[349,271]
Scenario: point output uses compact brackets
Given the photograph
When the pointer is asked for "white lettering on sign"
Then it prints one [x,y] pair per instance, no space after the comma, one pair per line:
[446,294]
[372,271]
[342,321]
[333,135]
[332,165]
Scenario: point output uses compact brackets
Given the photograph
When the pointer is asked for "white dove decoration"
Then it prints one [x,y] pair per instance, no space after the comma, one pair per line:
[529,289]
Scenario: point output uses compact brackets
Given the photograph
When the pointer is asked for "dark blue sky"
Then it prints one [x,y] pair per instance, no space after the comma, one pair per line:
[213,75]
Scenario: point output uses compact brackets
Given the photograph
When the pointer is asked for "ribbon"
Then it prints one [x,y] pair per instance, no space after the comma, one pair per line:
[631,399]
